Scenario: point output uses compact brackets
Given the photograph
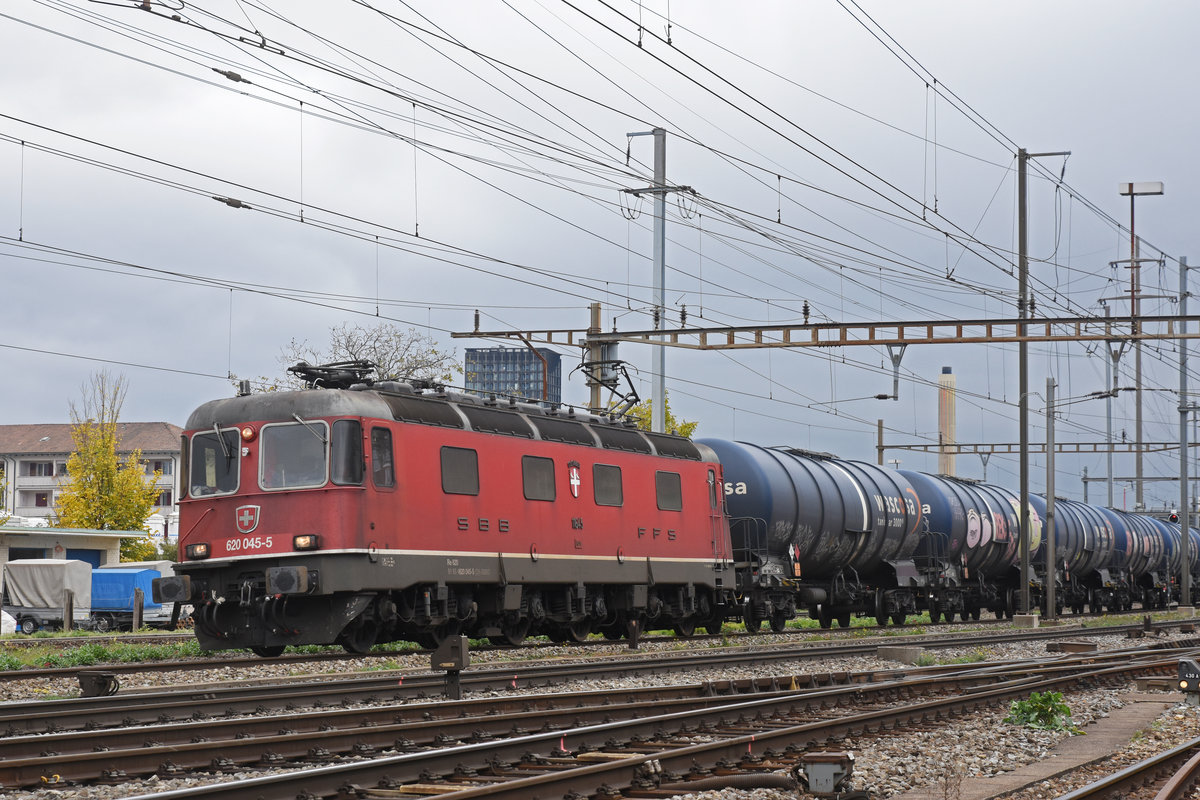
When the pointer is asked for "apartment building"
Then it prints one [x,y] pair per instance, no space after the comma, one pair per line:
[34,461]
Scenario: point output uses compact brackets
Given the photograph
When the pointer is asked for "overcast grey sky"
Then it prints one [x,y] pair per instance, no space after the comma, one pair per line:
[418,161]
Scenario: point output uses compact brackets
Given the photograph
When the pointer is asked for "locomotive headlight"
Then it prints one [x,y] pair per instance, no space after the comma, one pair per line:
[195,552]
[306,541]
[248,434]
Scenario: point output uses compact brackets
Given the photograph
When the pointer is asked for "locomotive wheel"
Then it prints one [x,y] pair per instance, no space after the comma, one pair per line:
[273,651]
[778,622]
[824,618]
[580,630]
[430,639]
[686,629]
[899,618]
[511,633]
[844,619]
[359,637]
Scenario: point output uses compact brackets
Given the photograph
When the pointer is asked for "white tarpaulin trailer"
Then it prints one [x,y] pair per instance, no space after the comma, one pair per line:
[33,587]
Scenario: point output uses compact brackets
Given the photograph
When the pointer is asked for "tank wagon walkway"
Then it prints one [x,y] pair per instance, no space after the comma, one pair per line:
[1104,737]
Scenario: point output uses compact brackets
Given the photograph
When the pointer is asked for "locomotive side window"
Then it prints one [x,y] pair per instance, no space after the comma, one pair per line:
[214,463]
[668,488]
[347,452]
[184,463]
[292,455]
[383,469]
[460,471]
[538,476]
[606,482]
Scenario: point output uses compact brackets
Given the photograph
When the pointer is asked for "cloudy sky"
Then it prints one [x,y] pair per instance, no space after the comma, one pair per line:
[414,162]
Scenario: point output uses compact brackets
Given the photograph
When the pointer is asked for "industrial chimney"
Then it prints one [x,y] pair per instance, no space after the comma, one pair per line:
[946,422]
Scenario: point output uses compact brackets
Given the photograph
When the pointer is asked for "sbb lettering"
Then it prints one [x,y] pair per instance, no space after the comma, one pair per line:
[482,524]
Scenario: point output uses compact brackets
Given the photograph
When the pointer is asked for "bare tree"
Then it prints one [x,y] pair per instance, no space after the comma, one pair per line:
[397,353]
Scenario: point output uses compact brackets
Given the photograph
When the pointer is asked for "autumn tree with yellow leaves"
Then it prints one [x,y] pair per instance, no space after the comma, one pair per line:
[642,414]
[104,492]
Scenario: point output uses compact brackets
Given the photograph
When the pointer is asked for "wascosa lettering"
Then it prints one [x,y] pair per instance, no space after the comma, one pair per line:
[735,488]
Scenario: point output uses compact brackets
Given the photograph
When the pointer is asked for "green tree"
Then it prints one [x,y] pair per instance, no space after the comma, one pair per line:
[642,414]
[103,492]
[169,550]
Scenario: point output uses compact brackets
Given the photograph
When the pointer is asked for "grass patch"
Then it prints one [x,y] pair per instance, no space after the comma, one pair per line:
[1043,711]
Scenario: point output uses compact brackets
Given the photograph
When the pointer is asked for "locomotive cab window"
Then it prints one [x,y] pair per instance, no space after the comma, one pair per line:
[347,452]
[538,476]
[606,484]
[460,471]
[214,463]
[668,488]
[383,468]
[293,455]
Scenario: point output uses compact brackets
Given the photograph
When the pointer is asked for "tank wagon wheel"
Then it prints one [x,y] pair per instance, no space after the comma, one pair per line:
[714,628]
[751,620]
[686,628]
[934,614]
[974,613]
[778,622]
[512,633]
[274,651]
[881,616]
[899,618]
[28,625]
[844,619]
[824,617]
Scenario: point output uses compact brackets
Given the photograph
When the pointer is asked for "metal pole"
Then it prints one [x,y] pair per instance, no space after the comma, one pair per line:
[1185,519]
[658,410]
[594,354]
[1139,499]
[1051,565]
[1111,385]
[1023,372]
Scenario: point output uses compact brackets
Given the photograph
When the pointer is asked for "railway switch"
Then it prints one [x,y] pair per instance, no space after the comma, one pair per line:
[1189,680]
[453,655]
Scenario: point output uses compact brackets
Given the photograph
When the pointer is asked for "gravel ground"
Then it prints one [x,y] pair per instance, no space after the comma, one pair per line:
[979,746]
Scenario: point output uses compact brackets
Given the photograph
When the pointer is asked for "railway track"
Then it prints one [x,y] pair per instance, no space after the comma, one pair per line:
[641,747]
[849,643]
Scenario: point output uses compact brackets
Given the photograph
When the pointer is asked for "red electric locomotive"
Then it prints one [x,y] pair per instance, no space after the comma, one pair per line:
[364,512]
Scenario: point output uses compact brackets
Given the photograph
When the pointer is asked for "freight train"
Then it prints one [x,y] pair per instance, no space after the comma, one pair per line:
[359,511]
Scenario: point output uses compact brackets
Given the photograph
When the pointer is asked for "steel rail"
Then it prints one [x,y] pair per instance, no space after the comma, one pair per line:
[619,767]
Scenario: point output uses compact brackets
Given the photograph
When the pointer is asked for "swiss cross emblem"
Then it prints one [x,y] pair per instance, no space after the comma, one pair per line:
[573,476]
[247,518]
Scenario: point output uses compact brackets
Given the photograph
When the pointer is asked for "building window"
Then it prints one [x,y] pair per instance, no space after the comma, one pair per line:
[41,499]
[606,483]
[538,475]
[60,468]
[460,471]
[163,466]
[39,469]
[164,499]
[668,488]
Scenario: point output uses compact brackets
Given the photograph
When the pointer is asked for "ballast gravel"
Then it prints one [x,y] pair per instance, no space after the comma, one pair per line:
[946,758]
